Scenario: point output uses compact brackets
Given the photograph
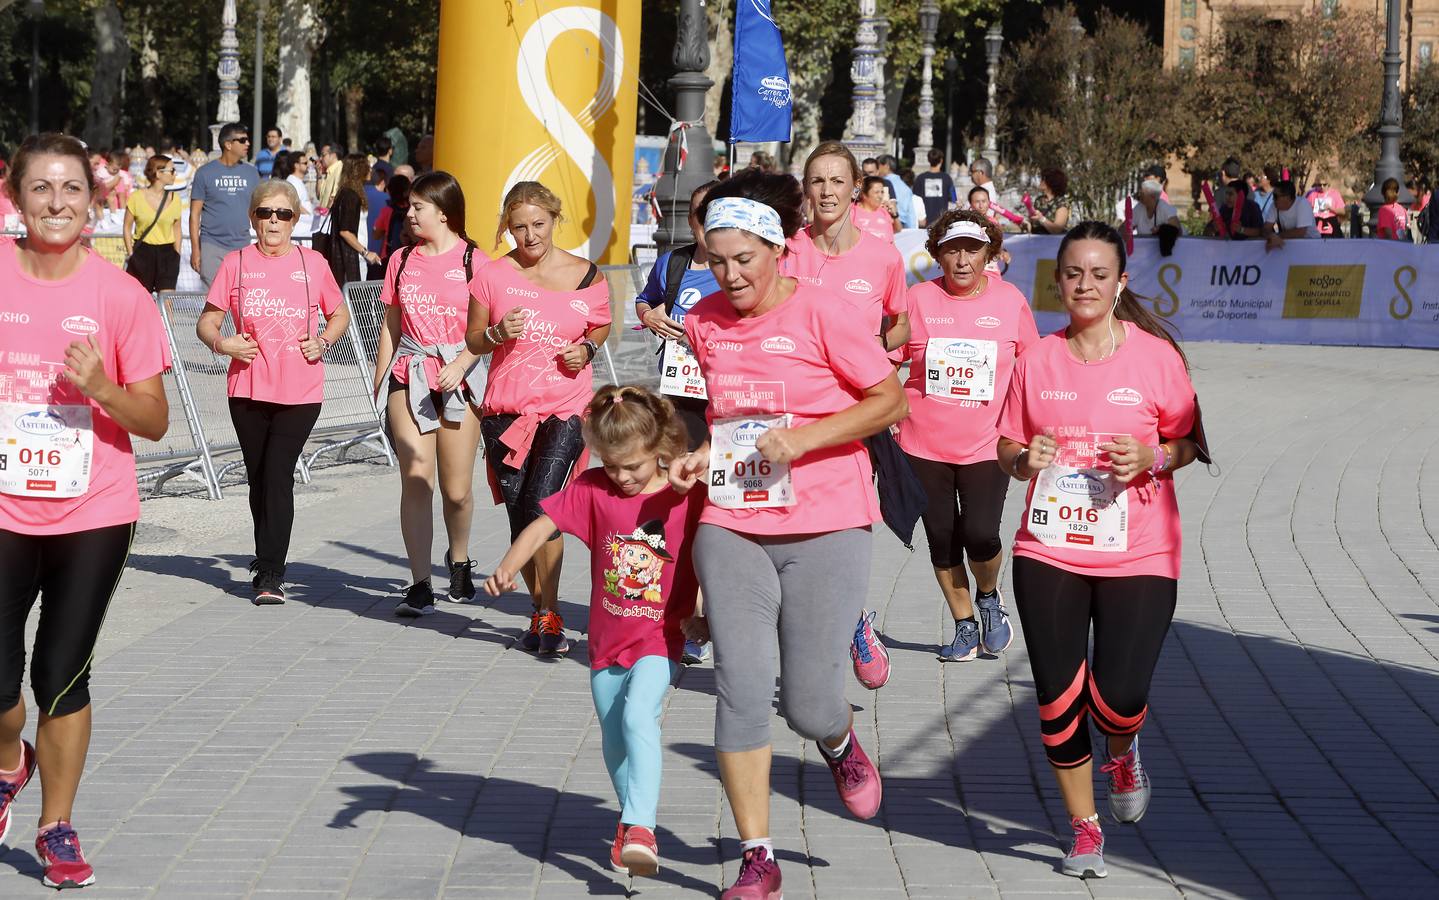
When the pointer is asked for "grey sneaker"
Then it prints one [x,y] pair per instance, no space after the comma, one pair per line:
[1086,854]
[965,645]
[998,633]
[1128,785]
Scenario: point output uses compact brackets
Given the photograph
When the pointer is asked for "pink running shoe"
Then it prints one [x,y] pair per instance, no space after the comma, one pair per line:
[9,789]
[758,878]
[59,850]
[856,779]
[871,660]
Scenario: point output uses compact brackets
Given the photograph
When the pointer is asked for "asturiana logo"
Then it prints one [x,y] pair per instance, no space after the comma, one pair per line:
[81,325]
[858,286]
[987,322]
[1080,483]
[39,422]
[455,275]
[580,307]
[777,344]
[1125,397]
[300,277]
[747,433]
[774,89]
[961,350]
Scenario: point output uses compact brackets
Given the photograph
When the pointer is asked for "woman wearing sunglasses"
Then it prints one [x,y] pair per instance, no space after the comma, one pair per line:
[152,232]
[287,312]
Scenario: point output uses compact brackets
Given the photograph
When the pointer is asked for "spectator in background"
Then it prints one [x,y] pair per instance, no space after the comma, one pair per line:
[1250,221]
[1261,188]
[220,203]
[876,211]
[1156,173]
[1051,207]
[870,166]
[1392,219]
[935,188]
[1152,211]
[1328,207]
[1291,219]
[344,249]
[183,171]
[377,198]
[384,156]
[274,145]
[329,176]
[1229,173]
[979,201]
[981,172]
[152,229]
[424,154]
[903,196]
[392,224]
[763,161]
[293,167]
[721,167]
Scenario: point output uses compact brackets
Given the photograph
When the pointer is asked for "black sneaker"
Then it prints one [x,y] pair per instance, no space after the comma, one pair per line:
[268,590]
[462,583]
[419,601]
[255,574]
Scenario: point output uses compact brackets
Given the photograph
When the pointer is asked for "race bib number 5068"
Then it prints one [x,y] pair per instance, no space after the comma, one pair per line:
[739,476]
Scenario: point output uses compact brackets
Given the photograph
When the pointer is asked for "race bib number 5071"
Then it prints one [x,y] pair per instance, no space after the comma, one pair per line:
[45,451]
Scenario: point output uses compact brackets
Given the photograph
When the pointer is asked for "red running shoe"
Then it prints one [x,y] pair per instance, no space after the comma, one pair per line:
[9,789]
[758,879]
[616,849]
[641,853]
[59,850]
[856,779]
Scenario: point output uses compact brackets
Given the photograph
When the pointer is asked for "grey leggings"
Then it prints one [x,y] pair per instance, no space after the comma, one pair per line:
[803,590]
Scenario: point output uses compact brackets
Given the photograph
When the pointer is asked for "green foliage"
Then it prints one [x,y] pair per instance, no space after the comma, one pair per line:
[1097,105]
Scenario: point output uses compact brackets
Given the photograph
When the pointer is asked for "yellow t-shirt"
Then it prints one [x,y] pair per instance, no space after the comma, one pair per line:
[164,231]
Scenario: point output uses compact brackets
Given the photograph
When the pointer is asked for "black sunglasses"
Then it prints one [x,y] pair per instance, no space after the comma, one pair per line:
[240,140]
[264,212]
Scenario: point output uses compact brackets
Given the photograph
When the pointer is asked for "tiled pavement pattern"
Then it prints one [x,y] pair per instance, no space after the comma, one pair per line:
[326,749]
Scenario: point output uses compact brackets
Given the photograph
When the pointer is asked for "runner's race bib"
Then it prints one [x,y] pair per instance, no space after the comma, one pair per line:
[739,477]
[1079,509]
[680,372]
[45,451]
[960,368]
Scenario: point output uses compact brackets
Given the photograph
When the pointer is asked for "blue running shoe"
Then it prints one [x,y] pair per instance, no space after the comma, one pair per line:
[998,634]
[696,652]
[965,645]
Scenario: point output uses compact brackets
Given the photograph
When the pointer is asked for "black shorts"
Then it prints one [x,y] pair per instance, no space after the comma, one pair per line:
[155,266]
[553,453]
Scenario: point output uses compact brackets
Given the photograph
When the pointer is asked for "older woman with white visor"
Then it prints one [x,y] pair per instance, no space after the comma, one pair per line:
[796,381]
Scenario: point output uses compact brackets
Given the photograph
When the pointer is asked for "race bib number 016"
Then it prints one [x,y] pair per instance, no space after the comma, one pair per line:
[739,477]
[1079,509]
[45,451]
[680,372]
[960,368]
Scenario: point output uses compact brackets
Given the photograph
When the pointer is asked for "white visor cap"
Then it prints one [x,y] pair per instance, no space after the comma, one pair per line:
[964,229]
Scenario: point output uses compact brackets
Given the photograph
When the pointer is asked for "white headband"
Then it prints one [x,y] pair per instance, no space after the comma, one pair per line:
[746,215]
[964,229]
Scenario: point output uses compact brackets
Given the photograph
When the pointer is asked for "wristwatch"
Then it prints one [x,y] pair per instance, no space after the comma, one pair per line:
[324,345]
[592,347]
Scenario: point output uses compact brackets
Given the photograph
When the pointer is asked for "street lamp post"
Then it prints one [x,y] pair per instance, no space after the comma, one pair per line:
[928,24]
[951,66]
[229,72]
[862,131]
[1390,129]
[672,192]
[881,102]
[993,44]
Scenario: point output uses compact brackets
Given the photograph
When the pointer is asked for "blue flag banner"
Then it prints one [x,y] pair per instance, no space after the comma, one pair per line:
[761,101]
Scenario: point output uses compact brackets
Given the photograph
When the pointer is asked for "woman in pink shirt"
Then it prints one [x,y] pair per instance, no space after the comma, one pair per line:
[796,381]
[84,349]
[1393,219]
[966,329]
[1097,417]
[433,383]
[875,213]
[543,313]
[276,293]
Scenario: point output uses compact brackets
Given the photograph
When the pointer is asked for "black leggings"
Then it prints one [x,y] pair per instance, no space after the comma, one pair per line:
[271,438]
[77,573]
[965,505]
[556,447]
[1131,615]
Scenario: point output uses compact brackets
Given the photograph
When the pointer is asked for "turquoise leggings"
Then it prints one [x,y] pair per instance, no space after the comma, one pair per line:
[628,703]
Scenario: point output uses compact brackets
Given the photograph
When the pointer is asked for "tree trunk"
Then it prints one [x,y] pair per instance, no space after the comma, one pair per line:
[149,83]
[719,13]
[112,55]
[354,94]
[805,94]
[299,34]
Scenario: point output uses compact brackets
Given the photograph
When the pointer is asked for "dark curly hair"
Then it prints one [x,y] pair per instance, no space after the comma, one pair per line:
[937,230]
[779,192]
[1057,181]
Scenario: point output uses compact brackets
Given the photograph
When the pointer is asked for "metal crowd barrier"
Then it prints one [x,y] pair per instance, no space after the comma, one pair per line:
[183,448]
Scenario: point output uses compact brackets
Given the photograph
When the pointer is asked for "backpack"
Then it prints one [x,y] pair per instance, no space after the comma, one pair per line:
[679,262]
[410,248]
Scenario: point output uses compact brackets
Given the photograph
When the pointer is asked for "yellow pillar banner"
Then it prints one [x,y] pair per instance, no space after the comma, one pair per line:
[542,90]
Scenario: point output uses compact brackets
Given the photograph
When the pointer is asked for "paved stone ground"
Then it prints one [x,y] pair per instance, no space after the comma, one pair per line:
[326,749]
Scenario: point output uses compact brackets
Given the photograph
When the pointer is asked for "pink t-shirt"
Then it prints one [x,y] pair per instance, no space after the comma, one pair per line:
[878,223]
[1325,203]
[809,357]
[1143,391]
[38,322]
[642,580]
[955,430]
[870,273]
[526,374]
[277,300]
[434,301]
[1393,218]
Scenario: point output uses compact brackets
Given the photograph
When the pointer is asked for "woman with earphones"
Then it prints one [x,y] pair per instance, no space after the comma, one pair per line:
[1097,417]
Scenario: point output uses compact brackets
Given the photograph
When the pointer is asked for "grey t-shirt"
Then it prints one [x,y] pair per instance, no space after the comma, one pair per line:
[225,190]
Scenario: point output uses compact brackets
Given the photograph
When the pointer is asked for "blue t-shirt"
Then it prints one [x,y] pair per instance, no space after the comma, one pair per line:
[377,200]
[904,199]
[225,191]
[265,162]
[695,284]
